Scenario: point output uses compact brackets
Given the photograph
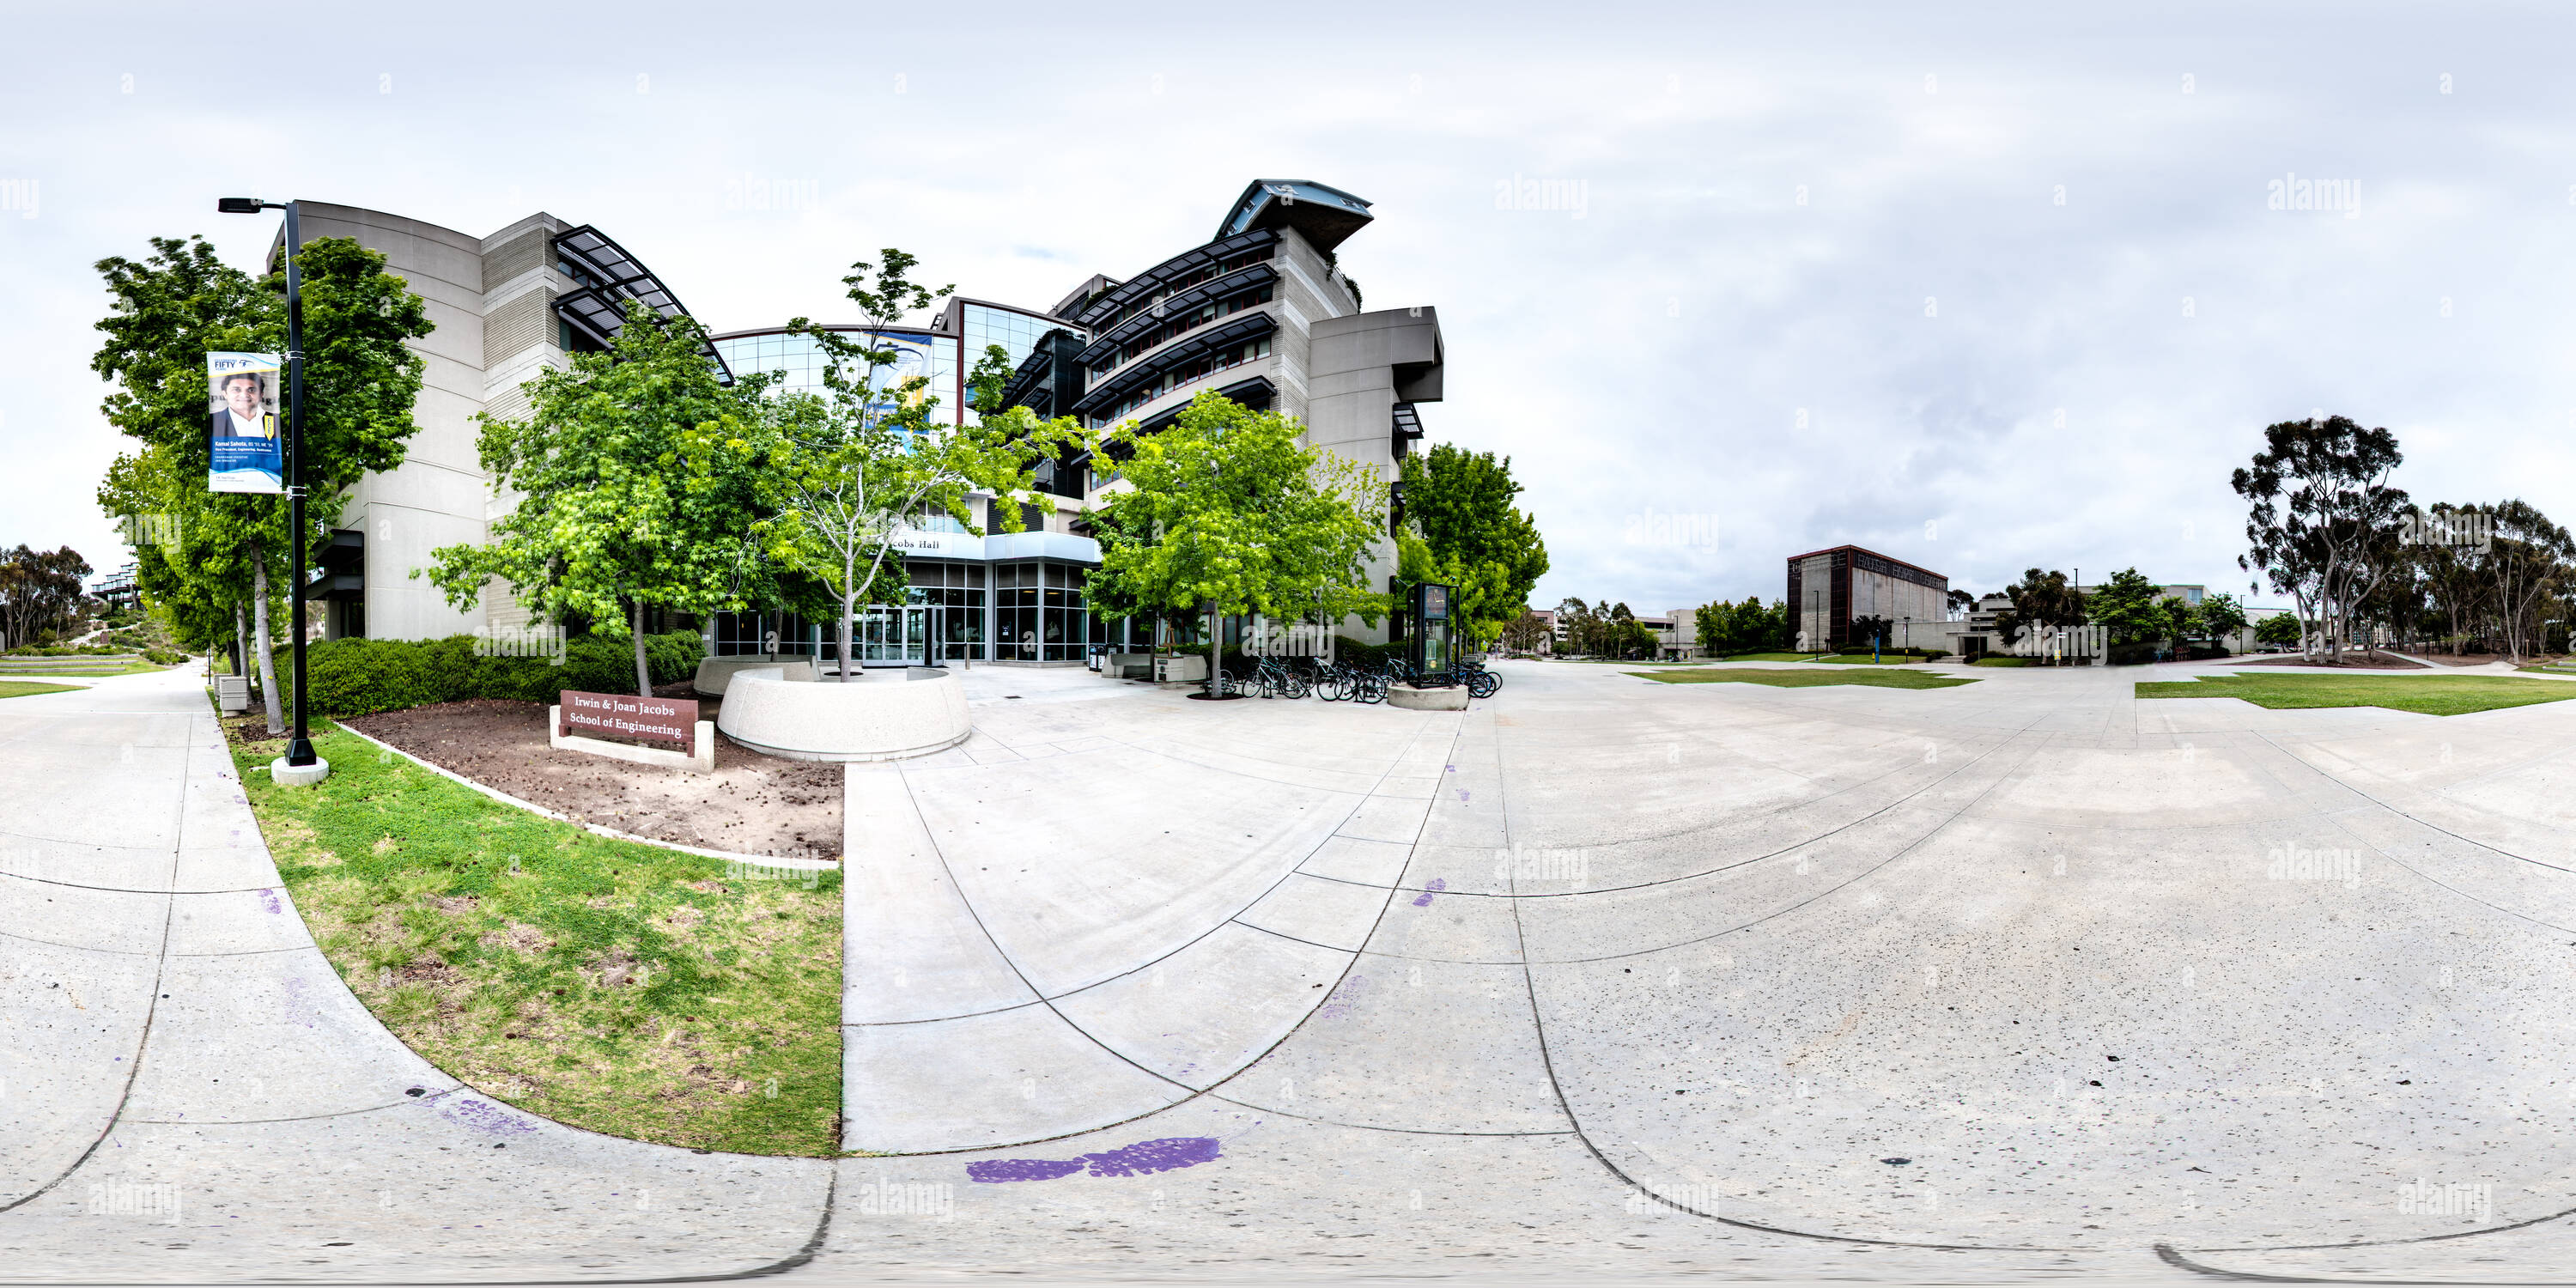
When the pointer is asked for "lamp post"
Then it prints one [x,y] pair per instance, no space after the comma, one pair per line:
[299,748]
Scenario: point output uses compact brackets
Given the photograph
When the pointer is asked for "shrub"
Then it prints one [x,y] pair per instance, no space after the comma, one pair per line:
[1373,656]
[1935,654]
[2133,654]
[164,656]
[356,677]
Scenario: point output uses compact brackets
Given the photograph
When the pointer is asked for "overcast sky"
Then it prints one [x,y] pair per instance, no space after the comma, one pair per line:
[1979,293]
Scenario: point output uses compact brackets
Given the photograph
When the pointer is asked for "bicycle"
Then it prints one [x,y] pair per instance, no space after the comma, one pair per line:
[1480,682]
[1273,680]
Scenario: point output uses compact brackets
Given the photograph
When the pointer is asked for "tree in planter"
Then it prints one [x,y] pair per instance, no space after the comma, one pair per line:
[210,555]
[614,517]
[1228,514]
[842,470]
[1459,505]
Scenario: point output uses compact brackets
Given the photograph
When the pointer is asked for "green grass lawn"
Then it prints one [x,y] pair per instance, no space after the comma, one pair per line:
[26,689]
[617,987]
[2001,661]
[133,668]
[1864,659]
[1802,679]
[2438,695]
[1767,657]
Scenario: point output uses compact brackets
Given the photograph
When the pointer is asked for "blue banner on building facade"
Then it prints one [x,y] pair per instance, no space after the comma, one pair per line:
[246,454]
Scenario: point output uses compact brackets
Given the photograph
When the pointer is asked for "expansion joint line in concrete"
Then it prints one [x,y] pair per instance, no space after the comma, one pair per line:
[2168,1254]
[1547,1061]
[1190,1093]
[151,1009]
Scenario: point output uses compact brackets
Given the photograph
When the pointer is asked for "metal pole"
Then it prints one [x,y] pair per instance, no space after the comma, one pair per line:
[299,752]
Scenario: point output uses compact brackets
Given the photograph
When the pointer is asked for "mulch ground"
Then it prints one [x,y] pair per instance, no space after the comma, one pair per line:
[2350,662]
[752,804]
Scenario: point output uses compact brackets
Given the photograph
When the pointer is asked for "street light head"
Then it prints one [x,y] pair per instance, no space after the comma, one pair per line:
[237,205]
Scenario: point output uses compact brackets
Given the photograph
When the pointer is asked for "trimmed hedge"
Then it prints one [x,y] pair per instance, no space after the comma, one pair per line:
[1372,656]
[353,677]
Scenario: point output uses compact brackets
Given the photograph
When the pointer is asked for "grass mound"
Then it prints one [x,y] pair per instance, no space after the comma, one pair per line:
[612,986]
[1805,679]
[29,688]
[2432,695]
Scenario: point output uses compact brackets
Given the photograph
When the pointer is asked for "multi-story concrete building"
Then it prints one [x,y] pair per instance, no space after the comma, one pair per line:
[1261,313]
[504,306]
[1829,588]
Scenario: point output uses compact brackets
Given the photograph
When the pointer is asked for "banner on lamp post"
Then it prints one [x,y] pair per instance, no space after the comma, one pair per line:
[245,453]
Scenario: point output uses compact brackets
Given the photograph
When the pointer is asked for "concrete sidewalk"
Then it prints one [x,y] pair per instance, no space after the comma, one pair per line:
[1602,979]
[193,1093]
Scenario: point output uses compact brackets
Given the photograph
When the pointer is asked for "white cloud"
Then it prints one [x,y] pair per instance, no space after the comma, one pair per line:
[1652,354]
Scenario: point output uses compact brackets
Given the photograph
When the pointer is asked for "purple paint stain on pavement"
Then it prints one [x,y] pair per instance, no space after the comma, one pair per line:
[1462,793]
[484,1116]
[1149,1156]
[1338,1002]
[268,900]
[1143,1158]
[1429,888]
[997,1171]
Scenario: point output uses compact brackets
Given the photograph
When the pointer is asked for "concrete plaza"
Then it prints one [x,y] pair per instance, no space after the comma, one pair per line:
[1603,978]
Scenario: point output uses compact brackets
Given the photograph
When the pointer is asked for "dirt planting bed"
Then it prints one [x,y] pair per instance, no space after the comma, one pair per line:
[752,804]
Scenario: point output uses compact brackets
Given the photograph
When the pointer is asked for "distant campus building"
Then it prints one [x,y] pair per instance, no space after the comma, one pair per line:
[1829,588]
[1260,313]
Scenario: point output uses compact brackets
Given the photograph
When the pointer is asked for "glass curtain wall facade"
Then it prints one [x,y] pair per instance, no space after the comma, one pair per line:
[956,610]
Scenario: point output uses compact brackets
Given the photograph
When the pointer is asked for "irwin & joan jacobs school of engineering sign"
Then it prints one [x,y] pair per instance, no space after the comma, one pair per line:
[624,715]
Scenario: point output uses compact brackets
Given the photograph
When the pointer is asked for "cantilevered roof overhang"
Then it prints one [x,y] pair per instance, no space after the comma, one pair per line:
[610,277]
[1241,279]
[1144,284]
[1146,370]
[1323,214]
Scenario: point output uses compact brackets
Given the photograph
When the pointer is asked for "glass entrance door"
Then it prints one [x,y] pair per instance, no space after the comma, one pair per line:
[894,635]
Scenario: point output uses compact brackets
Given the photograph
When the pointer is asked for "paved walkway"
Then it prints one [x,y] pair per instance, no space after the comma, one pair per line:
[191,1092]
[1601,978]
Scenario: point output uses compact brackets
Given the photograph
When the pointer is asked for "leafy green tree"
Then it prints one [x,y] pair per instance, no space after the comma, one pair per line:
[40,592]
[1459,503]
[2221,616]
[2130,608]
[843,469]
[2040,600]
[212,553]
[2280,629]
[1710,627]
[2322,521]
[1527,633]
[614,516]
[1228,513]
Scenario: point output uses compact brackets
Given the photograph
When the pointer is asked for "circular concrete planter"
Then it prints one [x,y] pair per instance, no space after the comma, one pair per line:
[884,715]
[715,674]
[1410,698]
